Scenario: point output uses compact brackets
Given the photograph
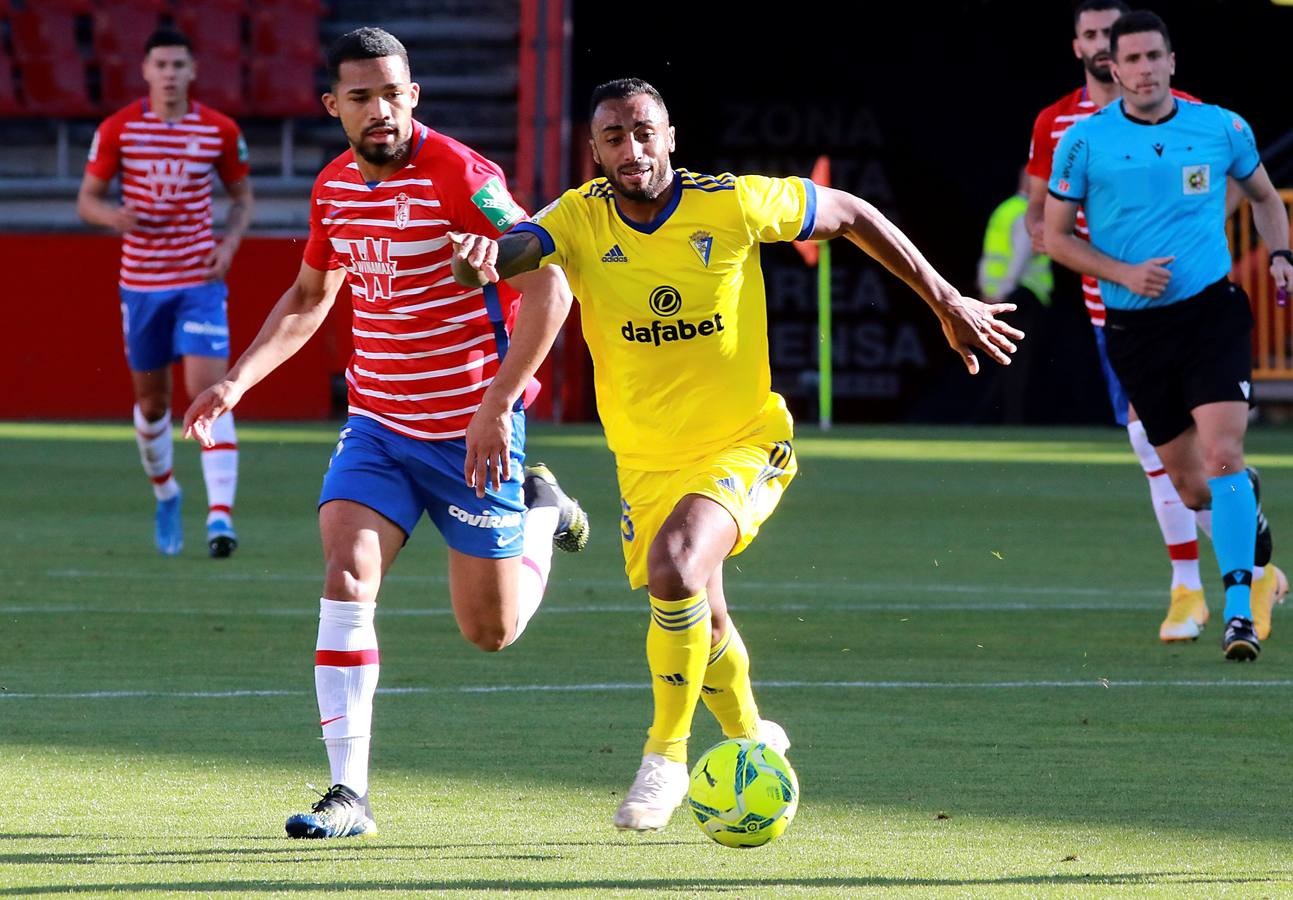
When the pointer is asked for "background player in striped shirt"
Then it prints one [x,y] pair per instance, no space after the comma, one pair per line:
[1179,525]
[169,150]
[665,263]
[426,350]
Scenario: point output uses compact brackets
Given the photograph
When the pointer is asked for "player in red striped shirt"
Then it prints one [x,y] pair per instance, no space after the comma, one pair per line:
[169,150]
[1187,611]
[425,351]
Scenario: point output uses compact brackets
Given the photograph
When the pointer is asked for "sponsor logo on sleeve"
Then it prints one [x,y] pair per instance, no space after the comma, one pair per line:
[94,146]
[243,153]
[497,205]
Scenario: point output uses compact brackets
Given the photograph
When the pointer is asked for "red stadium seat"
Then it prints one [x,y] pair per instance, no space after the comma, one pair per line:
[220,84]
[285,87]
[55,86]
[41,31]
[9,104]
[75,7]
[284,30]
[120,82]
[214,26]
[123,31]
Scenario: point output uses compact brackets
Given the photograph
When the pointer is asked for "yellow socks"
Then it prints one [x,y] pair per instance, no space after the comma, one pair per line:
[727,690]
[677,652]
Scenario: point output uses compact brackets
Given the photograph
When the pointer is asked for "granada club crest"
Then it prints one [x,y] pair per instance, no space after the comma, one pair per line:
[371,263]
[402,211]
[167,178]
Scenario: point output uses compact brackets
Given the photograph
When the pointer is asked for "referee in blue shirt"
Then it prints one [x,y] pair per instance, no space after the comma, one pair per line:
[1151,171]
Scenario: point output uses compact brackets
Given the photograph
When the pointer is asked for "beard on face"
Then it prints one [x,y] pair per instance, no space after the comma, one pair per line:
[645,194]
[1103,70]
[382,154]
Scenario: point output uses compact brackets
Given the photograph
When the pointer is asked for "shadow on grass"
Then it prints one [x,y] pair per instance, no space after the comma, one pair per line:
[652,884]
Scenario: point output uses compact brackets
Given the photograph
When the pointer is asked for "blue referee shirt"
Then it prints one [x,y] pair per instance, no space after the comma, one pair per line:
[1156,190]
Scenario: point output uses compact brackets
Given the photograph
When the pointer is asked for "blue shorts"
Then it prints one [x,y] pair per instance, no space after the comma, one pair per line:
[1117,396]
[162,326]
[400,476]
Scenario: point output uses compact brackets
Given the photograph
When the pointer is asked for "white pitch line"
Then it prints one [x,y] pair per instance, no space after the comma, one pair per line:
[640,686]
[552,609]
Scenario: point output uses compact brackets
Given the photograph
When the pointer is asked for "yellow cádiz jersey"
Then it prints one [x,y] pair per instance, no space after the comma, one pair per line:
[674,311]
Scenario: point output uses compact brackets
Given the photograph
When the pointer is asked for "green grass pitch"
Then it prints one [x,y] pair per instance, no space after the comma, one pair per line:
[958,629]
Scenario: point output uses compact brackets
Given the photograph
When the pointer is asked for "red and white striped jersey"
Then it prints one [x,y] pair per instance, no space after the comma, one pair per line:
[1050,125]
[167,169]
[425,347]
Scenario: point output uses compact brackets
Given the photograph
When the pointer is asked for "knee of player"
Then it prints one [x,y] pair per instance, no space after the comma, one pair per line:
[1225,458]
[341,582]
[1195,496]
[153,409]
[671,579]
[490,637]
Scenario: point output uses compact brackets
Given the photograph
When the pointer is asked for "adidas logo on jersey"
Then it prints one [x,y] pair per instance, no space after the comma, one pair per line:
[615,254]
[677,679]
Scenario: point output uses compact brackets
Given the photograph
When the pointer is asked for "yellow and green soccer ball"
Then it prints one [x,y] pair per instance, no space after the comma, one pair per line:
[743,793]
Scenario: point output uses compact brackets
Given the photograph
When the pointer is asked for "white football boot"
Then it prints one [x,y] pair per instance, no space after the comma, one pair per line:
[659,788]
[774,736]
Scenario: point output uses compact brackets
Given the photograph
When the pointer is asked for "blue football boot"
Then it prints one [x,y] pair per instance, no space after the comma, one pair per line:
[169,528]
[339,813]
[222,540]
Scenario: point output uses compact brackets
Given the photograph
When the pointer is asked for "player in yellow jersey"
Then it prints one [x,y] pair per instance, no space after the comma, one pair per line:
[665,263]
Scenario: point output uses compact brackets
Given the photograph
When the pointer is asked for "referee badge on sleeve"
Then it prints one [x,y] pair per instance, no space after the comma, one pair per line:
[1196,179]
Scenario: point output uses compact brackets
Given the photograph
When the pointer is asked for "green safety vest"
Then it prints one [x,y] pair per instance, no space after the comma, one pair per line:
[997,249]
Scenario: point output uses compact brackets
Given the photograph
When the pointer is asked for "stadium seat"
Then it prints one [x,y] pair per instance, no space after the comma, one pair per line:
[120,81]
[220,83]
[285,87]
[42,31]
[214,26]
[9,104]
[284,30]
[123,31]
[55,86]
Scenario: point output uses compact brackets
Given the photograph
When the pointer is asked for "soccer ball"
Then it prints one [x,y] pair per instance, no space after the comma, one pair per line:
[743,793]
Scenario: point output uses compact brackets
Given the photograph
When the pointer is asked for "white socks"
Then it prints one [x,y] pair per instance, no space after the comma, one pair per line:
[345,679]
[536,563]
[1176,521]
[156,453]
[220,469]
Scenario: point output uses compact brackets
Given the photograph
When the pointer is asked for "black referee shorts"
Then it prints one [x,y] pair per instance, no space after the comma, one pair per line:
[1171,359]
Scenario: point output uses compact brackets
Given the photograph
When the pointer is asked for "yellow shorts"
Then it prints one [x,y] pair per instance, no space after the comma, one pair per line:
[745,479]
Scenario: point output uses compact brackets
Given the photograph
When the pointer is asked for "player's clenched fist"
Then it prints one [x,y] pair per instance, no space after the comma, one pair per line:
[474,256]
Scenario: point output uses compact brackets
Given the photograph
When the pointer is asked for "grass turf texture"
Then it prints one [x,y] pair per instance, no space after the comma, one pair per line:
[957,627]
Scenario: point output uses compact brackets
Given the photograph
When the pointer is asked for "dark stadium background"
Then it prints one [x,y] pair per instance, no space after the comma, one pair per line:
[931,106]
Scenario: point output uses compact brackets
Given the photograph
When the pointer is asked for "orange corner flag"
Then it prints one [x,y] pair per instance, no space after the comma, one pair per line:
[821,176]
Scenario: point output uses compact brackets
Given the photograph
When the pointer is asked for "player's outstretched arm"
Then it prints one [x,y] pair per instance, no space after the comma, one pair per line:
[1272,221]
[297,315]
[545,303]
[1148,278]
[481,260]
[967,323]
